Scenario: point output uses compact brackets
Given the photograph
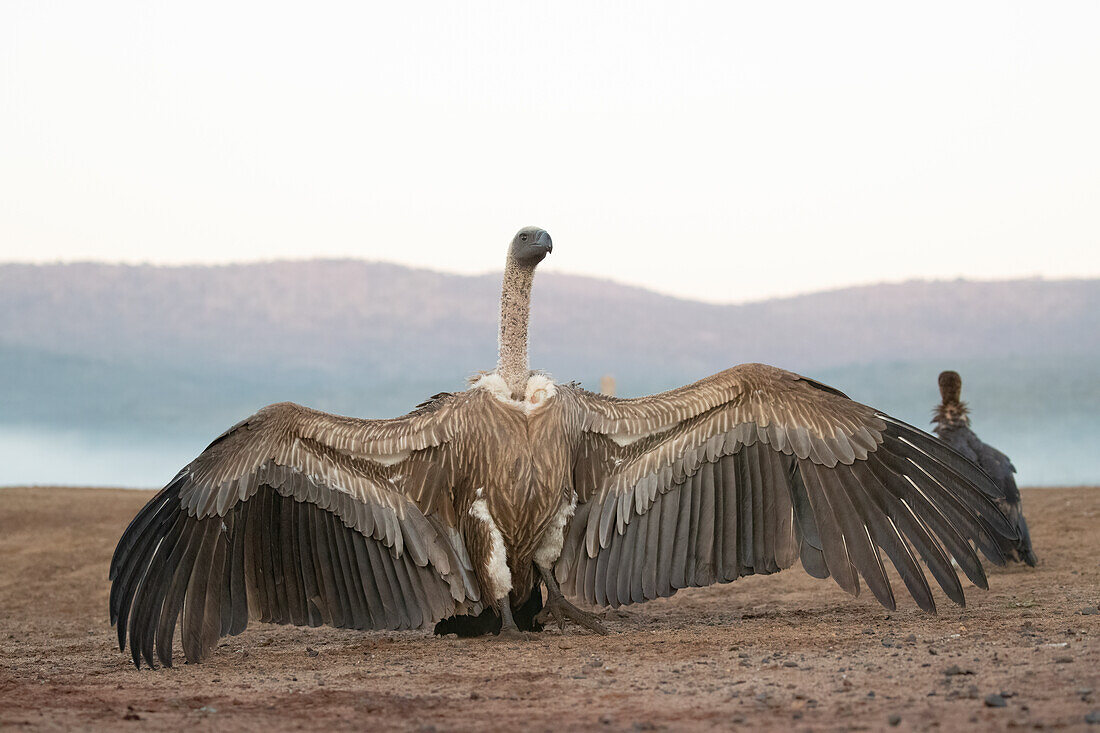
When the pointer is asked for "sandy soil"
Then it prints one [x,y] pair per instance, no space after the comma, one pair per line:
[779,652]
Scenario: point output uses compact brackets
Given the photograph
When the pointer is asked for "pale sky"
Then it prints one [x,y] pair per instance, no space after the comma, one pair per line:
[723,151]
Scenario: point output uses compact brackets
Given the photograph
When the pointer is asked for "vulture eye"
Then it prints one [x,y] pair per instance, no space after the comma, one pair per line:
[523,237]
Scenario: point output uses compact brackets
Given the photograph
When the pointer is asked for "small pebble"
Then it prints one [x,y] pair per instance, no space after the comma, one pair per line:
[1090,611]
[311,652]
[995,701]
[894,719]
[1093,717]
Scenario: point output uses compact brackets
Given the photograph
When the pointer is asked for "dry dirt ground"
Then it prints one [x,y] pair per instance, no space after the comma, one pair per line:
[783,652]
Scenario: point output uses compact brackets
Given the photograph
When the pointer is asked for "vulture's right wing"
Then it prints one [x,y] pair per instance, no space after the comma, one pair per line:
[755,467]
[298,516]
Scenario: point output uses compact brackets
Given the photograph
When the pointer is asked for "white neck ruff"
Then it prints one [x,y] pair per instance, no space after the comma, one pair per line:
[540,390]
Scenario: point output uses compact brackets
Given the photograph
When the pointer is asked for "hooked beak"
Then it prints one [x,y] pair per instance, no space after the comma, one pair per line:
[545,241]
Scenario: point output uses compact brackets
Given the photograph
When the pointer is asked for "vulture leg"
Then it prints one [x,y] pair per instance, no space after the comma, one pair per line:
[559,609]
[508,628]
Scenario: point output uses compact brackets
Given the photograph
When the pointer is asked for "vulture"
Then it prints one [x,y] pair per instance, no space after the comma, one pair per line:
[952,423]
[466,506]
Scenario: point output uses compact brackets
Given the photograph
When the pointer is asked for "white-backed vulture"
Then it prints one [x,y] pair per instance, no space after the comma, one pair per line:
[952,423]
[299,517]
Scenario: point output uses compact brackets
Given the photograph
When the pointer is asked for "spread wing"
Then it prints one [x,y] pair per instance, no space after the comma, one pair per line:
[748,470]
[297,516]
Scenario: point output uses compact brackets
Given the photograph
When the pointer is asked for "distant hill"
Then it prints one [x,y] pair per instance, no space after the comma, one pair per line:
[388,320]
[188,350]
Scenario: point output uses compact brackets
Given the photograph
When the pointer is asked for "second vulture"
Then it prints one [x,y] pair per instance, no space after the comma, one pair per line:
[465,504]
[952,423]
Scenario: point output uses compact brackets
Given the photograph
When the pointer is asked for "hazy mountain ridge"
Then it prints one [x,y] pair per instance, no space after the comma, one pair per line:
[318,314]
[121,353]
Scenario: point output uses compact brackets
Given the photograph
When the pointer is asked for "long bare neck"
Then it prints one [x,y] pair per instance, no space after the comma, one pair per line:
[515,305]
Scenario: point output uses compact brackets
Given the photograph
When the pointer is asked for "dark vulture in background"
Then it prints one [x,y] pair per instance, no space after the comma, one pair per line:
[467,504]
[952,424]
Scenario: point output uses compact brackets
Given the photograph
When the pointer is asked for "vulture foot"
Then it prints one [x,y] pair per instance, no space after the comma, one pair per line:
[508,629]
[557,608]
[513,634]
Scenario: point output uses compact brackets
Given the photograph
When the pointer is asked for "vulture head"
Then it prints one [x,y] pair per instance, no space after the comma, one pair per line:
[950,387]
[530,245]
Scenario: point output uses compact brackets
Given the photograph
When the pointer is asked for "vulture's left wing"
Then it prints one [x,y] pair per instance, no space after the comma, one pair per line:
[296,516]
[748,470]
